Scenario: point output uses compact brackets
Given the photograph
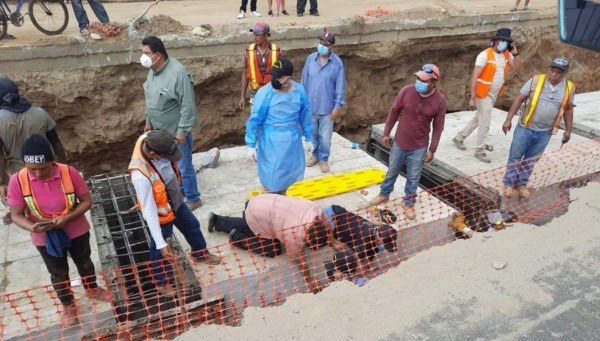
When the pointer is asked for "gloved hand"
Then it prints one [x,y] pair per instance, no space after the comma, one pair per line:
[309,146]
[252,153]
[361,281]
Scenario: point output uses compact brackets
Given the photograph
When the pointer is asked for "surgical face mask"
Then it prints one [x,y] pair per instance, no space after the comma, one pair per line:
[421,87]
[502,46]
[146,61]
[322,49]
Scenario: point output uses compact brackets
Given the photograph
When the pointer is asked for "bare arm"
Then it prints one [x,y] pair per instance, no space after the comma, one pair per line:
[568,118]
[59,150]
[18,216]
[512,112]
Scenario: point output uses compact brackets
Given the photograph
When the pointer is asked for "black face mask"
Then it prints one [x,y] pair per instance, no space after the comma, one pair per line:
[276,84]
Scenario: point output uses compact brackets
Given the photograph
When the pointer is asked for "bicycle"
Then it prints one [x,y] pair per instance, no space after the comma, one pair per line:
[49,16]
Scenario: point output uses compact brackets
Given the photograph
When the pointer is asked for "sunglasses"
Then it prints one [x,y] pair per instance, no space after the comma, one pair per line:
[428,68]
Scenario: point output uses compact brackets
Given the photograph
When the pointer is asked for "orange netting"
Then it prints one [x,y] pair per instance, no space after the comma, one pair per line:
[198,293]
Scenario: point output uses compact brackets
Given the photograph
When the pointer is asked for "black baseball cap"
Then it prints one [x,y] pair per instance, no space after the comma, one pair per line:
[163,143]
[388,236]
[281,68]
[343,261]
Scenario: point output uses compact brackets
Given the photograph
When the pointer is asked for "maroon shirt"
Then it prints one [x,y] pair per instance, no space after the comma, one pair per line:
[417,115]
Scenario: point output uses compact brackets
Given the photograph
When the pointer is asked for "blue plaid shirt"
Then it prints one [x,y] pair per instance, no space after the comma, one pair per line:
[324,84]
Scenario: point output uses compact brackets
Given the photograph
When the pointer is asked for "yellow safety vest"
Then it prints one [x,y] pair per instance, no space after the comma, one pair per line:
[537,84]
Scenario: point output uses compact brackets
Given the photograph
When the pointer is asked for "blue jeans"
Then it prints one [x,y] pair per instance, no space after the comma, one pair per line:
[189,184]
[189,226]
[414,167]
[81,16]
[322,130]
[526,149]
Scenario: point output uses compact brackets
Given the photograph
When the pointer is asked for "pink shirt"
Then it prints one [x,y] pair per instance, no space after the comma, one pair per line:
[277,216]
[51,200]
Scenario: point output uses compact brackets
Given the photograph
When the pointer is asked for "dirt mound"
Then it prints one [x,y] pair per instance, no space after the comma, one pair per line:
[160,25]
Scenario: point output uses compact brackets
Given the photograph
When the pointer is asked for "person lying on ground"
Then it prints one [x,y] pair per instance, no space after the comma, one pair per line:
[343,265]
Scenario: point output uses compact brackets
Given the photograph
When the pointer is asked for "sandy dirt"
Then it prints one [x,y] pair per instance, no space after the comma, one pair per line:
[454,292]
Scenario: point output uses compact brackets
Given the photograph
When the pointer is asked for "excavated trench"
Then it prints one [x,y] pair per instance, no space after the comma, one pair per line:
[100,110]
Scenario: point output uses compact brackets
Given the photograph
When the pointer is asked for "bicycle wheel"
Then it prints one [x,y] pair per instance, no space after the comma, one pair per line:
[49,16]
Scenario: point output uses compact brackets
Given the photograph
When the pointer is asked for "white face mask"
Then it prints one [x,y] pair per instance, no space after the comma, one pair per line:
[146,61]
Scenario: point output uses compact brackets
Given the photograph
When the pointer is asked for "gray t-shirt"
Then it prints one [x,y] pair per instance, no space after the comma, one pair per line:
[548,104]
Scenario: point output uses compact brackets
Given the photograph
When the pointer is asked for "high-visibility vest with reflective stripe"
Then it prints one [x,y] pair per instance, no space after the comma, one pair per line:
[29,196]
[159,189]
[537,85]
[255,77]
[484,82]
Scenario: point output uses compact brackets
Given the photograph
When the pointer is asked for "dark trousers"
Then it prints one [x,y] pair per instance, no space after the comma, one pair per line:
[252,5]
[58,267]
[244,238]
[301,5]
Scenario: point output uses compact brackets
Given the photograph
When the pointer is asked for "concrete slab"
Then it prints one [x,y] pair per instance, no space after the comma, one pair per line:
[587,112]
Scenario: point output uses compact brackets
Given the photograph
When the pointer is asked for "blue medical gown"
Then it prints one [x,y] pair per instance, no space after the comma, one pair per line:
[276,125]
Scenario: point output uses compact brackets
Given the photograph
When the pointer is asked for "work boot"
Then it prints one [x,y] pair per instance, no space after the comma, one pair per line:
[483,157]
[523,192]
[100,294]
[458,223]
[194,205]
[312,161]
[410,213]
[459,144]
[324,167]
[508,192]
[211,222]
[378,200]
[208,258]
[69,317]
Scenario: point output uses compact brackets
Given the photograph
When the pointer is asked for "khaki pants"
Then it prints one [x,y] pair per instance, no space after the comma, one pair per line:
[481,121]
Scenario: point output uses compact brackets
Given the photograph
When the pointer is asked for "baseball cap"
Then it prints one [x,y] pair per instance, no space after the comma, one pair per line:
[328,37]
[388,235]
[163,143]
[282,67]
[343,261]
[261,28]
[428,71]
[560,63]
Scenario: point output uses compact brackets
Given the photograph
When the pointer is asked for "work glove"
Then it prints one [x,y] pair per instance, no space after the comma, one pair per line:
[252,153]
[309,146]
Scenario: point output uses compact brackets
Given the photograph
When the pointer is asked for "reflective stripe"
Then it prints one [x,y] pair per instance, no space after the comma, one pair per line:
[255,77]
[527,120]
[29,196]
[486,77]
[534,94]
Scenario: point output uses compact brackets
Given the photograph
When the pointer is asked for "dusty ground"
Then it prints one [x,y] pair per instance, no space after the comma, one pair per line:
[548,290]
[102,109]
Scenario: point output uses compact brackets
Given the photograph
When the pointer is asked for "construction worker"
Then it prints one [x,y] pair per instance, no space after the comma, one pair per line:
[487,83]
[549,100]
[258,59]
[156,178]
[50,200]
[19,120]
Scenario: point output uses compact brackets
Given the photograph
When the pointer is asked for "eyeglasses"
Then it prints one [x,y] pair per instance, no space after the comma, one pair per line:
[429,69]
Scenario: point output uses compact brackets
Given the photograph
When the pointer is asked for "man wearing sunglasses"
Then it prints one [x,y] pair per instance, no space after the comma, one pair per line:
[417,108]
[487,83]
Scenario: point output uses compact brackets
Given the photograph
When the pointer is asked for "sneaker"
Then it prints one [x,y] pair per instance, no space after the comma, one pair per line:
[284,12]
[523,192]
[100,294]
[508,192]
[410,213]
[194,205]
[208,258]
[271,14]
[324,167]
[241,15]
[211,222]
[84,32]
[378,200]
[255,14]
[300,14]
[459,144]
[312,161]
[315,14]
[514,9]
[483,157]
[7,220]
[69,317]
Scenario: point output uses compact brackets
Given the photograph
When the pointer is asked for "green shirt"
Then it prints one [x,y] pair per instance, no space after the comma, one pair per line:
[170,100]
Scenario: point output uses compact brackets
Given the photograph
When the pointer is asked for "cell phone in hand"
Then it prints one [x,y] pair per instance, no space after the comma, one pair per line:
[511,47]
[45,223]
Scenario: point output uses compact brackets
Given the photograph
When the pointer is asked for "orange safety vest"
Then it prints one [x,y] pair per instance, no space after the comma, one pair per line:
[484,82]
[537,84]
[256,78]
[159,189]
[29,196]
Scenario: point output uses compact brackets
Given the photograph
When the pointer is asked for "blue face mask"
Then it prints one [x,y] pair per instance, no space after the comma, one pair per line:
[322,49]
[421,87]
[163,161]
[502,46]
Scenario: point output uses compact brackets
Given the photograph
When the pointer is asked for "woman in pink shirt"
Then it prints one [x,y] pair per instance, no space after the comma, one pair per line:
[55,220]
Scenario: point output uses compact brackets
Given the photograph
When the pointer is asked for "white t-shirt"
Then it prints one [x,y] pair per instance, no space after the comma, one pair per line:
[500,65]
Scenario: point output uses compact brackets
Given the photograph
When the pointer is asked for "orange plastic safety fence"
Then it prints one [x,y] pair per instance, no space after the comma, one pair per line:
[163,300]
